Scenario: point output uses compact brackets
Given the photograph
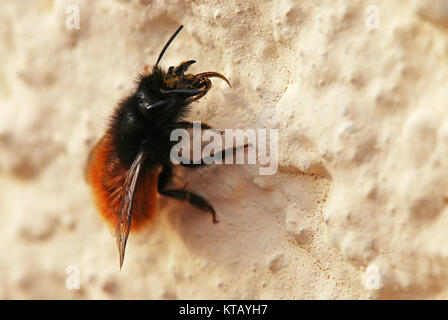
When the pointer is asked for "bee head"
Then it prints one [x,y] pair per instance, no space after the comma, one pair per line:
[166,93]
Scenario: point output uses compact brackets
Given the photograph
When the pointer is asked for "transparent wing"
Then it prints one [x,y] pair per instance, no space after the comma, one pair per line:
[124,221]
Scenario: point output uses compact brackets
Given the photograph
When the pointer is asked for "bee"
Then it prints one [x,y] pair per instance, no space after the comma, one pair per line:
[130,166]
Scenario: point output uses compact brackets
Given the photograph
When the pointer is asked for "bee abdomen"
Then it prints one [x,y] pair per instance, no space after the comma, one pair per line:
[106,176]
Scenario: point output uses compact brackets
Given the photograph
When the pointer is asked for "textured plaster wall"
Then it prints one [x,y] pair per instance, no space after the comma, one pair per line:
[358,208]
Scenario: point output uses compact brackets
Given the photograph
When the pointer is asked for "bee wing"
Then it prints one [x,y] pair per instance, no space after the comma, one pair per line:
[124,220]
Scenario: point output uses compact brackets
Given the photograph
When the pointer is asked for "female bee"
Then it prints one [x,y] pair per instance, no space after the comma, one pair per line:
[130,165]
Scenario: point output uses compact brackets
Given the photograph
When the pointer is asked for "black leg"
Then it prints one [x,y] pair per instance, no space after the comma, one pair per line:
[193,198]
[220,153]
[183,67]
[164,178]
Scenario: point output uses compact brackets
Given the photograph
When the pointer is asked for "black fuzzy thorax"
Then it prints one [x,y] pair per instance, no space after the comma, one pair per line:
[131,129]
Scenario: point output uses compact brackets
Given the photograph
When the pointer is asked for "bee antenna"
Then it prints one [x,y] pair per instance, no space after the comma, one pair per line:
[168,43]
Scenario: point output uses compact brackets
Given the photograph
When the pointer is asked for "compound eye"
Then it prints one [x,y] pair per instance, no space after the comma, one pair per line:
[142,101]
[144,104]
[140,96]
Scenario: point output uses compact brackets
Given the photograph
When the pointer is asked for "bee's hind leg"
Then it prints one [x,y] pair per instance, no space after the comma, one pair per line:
[193,198]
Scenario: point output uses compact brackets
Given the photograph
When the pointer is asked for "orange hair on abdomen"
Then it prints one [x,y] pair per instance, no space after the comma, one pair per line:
[106,175]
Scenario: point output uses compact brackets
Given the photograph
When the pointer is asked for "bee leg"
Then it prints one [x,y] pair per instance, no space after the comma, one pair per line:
[193,198]
[211,74]
[182,68]
[205,161]
[207,84]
